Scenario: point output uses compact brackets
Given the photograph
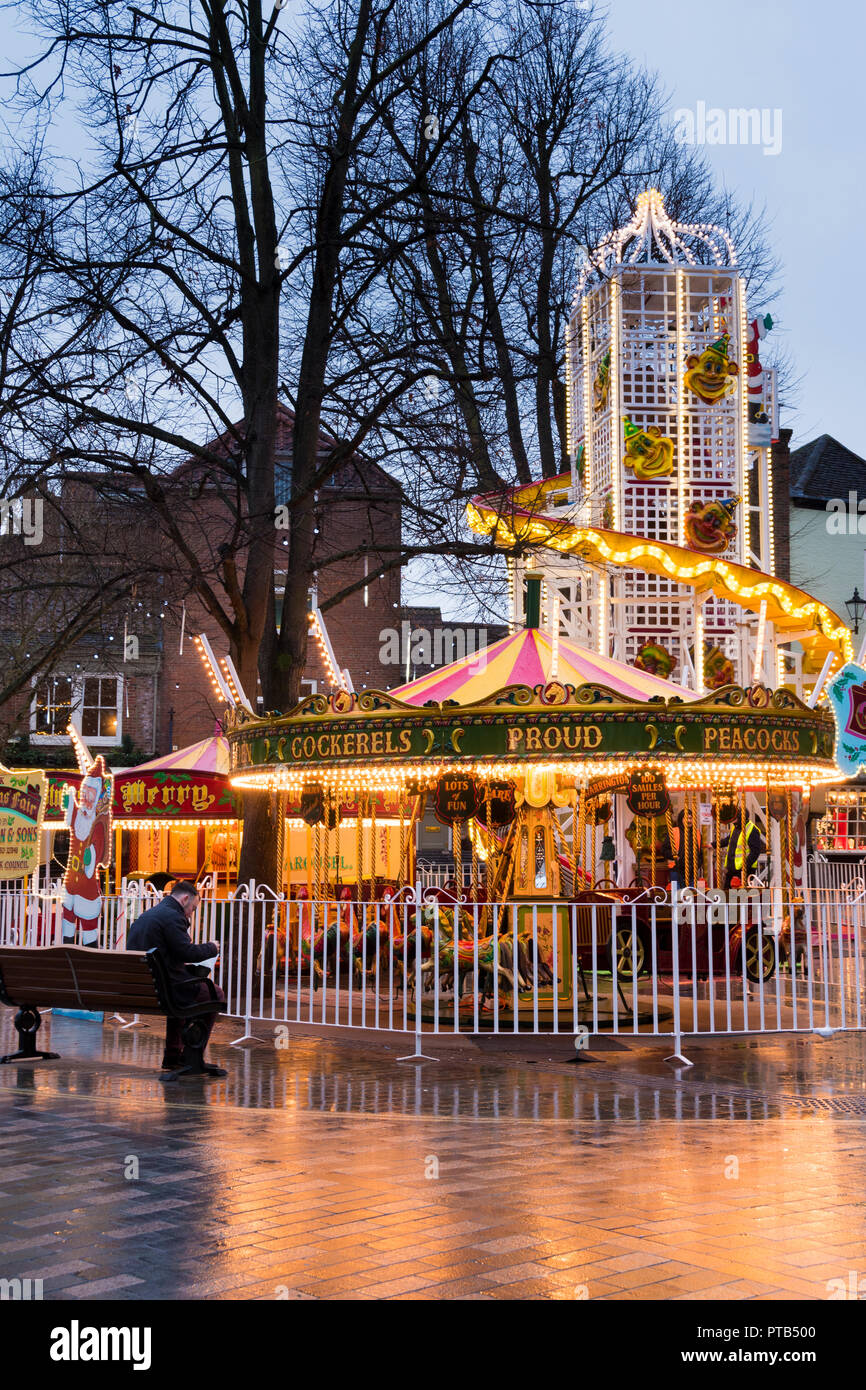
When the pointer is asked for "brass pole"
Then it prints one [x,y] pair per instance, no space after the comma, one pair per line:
[669,822]
[690,837]
[456,839]
[327,845]
[359,842]
[594,829]
[401,877]
[745,849]
[317,871]
[581,832]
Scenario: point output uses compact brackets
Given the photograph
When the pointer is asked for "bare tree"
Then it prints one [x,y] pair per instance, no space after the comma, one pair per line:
[372,213]
[229,177]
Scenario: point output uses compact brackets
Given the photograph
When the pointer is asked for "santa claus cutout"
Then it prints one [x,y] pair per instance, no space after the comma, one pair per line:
[89,819]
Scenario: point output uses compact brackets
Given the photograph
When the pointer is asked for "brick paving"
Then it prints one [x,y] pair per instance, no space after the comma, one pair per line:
[332,1171]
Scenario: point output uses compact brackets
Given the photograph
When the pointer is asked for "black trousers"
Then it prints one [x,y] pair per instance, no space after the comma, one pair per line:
[174,1026]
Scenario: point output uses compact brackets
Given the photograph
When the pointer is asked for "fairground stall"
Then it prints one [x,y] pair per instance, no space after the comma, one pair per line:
[173,817]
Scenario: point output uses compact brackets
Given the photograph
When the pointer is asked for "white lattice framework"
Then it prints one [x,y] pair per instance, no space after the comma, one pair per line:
[652,294]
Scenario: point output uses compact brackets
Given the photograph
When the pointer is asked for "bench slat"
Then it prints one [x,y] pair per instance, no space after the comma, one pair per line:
[79,977]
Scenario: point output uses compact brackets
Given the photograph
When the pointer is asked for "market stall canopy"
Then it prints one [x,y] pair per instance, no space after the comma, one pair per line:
[525,516]
[208,755]
[191,785]
[528,658]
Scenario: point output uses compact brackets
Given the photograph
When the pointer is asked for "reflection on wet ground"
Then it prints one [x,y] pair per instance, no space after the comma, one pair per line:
[330,1169]
[731,1079]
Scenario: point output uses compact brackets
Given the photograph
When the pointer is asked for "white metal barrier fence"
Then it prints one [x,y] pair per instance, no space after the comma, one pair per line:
[844,877]
[742,962]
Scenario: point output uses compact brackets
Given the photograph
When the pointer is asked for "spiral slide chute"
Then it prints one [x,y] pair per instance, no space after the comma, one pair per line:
[512,520]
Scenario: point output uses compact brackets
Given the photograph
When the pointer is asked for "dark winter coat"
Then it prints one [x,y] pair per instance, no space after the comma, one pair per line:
[165,926]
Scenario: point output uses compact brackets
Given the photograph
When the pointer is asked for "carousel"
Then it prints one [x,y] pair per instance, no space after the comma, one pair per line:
[568,780]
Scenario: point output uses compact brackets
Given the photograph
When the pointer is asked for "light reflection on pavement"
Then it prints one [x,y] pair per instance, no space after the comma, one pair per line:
[310,1171]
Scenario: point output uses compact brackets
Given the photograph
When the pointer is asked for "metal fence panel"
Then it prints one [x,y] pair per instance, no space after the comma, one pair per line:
[747,962]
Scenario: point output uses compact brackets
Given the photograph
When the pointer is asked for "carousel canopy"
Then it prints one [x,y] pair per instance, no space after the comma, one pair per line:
[209,755]
[526,658]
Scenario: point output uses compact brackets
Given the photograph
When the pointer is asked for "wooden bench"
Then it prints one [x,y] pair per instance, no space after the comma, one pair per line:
[80,977]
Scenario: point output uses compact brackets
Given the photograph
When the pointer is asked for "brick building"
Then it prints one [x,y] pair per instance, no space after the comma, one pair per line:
[135,684]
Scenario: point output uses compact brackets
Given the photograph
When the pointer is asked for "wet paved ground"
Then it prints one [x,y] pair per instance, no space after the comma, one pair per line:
[330,1170]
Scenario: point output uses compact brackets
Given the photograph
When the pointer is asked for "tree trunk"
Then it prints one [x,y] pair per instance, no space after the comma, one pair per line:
[260,845]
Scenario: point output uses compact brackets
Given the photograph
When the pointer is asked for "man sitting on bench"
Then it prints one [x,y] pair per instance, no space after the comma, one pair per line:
[165,926]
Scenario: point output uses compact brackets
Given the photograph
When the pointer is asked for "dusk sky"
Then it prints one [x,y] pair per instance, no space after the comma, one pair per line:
[807,61]
[783,55]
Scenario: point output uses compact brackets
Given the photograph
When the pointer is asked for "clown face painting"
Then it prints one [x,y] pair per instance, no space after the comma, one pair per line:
[712,375]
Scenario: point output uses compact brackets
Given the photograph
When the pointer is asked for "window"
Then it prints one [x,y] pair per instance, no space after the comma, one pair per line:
[52,705]
[99,708]
[843,826]
[93,703]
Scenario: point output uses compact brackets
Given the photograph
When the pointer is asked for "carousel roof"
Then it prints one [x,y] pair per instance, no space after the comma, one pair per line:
[208,755]
[526,658]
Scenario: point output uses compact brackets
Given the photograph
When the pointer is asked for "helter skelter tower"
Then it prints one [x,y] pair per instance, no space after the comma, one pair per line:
[670,426]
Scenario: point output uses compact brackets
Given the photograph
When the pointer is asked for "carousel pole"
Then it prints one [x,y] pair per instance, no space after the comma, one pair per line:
[281,840]
[774,843]
[581,835]
[317,862]
[457,848]
[669,822]
[690,844]
[401,875]
[359,841]
[743,832]
[703,872]
[717,846]
[326,853]
[789,837]
[489,848]
[373,888]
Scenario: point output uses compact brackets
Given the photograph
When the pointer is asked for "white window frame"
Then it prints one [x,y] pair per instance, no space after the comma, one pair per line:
[76,712]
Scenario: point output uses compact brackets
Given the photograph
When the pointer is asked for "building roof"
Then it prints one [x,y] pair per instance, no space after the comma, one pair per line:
[358,474]
[824,469]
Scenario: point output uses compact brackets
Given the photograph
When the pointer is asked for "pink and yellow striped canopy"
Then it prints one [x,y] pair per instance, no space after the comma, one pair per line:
[209,755]
[526,658]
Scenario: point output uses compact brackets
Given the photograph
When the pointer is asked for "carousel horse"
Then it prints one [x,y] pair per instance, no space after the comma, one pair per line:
[495,961]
